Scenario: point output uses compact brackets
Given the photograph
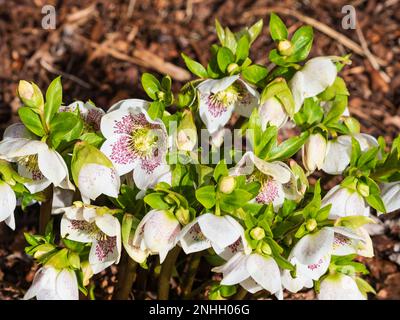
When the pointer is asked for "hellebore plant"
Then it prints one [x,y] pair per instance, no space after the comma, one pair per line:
[149,193]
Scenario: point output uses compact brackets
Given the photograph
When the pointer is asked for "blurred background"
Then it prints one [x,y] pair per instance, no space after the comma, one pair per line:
[101,48]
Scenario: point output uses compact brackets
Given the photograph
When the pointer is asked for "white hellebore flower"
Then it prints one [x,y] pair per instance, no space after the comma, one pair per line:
[8,202]
[345,203]
[91,224]
[52,284]
[339,287]
[223,233]
[338,152]
[313,152]
[253,272]
[219,98]
[36,161]
[312,254]
[157,233]
[390,193]
[316,75]
[89,113]
[136,142]
[273,112]
[276,179]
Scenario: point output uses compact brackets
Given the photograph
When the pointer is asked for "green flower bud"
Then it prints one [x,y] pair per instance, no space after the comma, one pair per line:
[160,95]
[186,138]
[42,250]
[227,184]
[352,124]
[285,47]
[257,233]
[232,67]
[169,199]
[87,272]
[363,189]
[265,248]
[30,95]
[183,215]
[311,225]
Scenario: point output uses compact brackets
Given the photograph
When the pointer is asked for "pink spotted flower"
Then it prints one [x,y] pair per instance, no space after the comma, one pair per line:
[90,114]
[136,142]
[96,225]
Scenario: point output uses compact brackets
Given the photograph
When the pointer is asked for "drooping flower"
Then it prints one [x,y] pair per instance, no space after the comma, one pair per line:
[313,152]
[35,160]
[345,202]
[93,173]
[277,180]
[273,112]
[8,203]
[52,284]
[136,142]
[90,114]
[96,225]
[316,75]
[339,287]
[223,233]
[157,233]
[253,272]
[390,193]
[338,151]
[219,98]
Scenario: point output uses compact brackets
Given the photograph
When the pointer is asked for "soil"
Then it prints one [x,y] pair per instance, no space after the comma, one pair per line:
[102,47]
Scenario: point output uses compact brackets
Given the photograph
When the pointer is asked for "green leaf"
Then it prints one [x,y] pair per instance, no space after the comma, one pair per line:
[151,85]
[65,126]
[156,201]
[31,120]
[255,74]
[166,83]
[230,40]
[92,138]
[227,291]
[53,99]
[242,50]
[156,110]
[221,170]
[277,28]
[224,58]
[288,148]
[195,67]
[302,43]
[255,30]
[375,201]
[237,199]
[206,196]
[355,151]
[220,32]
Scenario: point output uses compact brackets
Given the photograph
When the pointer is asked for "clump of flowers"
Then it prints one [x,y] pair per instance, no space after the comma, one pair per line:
[160,185]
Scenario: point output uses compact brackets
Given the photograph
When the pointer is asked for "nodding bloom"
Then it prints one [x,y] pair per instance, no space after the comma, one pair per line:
[219,98]
[338,151]
[390,193]
[52,284]
[35,160]
[313,152]
[277,180]
[345,202]
[89,113]
[95,225]
[8,202]
[340,287]
[157,233]
[312,254]
[316,75]
[253,272]
[272,112]
[223,233]
[136,142]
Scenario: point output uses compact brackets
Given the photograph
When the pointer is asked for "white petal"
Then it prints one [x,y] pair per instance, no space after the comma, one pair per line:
[95,179]
[38,282]
[293,284]
[339,287]
[61,198]
[216,85]
[296,85]
[103,254]
[265,271]
[337,155]
[67,285]
[312,247]
[11,148]
[145,179]
[8,202]
[44,285]
[218,230]
[314,271]
[390,193]
[273,112]
[108,224]
[77,230]
[129,103]
[237,272]
[38,183]
[192,239]
[18,130]
[52,166]
[366,141]
[248,101]
[250,285]
[214,120]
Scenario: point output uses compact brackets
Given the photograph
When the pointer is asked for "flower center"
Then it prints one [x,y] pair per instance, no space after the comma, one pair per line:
[268,192]
[219,102]
[143,141]
[31,164]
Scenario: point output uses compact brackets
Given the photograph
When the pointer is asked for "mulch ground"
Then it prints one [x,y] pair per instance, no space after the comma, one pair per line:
[102,47]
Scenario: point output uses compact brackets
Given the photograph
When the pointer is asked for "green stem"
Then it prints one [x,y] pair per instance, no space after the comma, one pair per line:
[240,295]
[45,209]
[191,274]
[126,277]
[166,272]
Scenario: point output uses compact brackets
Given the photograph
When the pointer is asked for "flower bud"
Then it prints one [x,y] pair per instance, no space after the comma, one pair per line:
[42,250]
[265,248]
[273,112]
[168,199]
[314,151]
[183,215]
[285,47]
[227,184]
[87,272]
[311,225]
[186,138]
[257,233]
[232,67]
[363,189]
[30,95]
[352,124]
